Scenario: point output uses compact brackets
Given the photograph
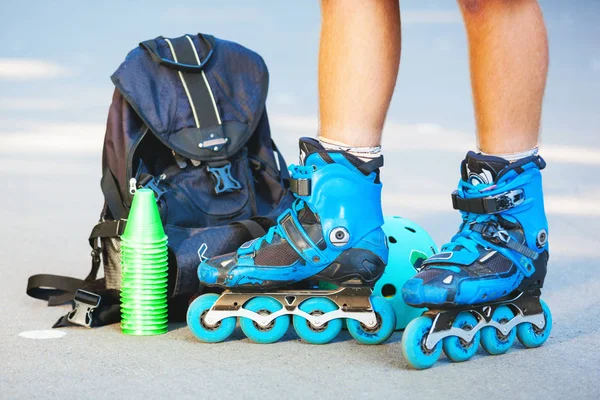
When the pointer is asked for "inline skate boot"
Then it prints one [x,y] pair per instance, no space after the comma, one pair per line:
[485,285]
[332,233]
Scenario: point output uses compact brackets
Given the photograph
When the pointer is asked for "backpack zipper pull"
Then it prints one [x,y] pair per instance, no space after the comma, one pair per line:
[132,186]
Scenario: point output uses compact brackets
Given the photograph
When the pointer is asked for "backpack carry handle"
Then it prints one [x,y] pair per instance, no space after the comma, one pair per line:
[151,47]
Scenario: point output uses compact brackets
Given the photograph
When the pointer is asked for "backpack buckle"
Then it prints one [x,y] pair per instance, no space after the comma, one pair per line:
[225,181]
[153,184]
[85,303]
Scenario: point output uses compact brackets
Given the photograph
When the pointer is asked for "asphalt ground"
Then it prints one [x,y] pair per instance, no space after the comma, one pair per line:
[51,198]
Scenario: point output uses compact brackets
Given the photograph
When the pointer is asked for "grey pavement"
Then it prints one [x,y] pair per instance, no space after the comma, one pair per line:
[51,199]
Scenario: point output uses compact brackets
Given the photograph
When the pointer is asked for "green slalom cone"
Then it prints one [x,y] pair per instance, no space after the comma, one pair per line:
[143,332]
[143,224]
[144,262]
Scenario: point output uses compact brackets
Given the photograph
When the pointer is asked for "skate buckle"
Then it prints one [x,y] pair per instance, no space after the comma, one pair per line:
[85,303]
[491,232]
[508,200]
[502,236]
[225,181]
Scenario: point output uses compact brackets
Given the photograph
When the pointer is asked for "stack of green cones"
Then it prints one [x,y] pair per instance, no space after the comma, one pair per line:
[144,269]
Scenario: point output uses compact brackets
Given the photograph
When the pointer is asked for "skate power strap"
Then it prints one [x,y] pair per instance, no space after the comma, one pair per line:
[294,233]
[490,204]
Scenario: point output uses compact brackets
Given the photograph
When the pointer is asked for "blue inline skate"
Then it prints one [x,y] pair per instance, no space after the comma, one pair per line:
[332,233]
[485,285]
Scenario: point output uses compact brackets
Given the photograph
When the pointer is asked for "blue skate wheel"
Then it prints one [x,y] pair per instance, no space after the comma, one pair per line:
[207,333]
[413,344]
[321,334]
[386,322]
[492,340]
[458,349]
[274,330]
[530,335]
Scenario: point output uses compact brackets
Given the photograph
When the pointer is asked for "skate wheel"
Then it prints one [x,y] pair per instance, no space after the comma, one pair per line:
[321,334]
[413,344]
[458,349]
[530,335]
[386,322]
[272,332]
[195,320]
[494,341]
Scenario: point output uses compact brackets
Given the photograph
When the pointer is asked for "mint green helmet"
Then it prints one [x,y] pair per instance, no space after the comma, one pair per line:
[409,246]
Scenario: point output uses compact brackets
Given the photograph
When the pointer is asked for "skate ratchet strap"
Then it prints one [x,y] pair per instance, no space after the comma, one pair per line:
[294,233]
[499,236]
[490,204]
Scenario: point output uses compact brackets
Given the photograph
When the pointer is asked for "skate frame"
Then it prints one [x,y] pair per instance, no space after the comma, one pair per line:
[526,309]
[352,303]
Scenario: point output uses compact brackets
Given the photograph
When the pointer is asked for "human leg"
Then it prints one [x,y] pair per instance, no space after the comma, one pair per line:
[486,282]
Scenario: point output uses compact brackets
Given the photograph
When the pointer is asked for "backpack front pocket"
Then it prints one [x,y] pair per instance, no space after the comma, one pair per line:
[208,195]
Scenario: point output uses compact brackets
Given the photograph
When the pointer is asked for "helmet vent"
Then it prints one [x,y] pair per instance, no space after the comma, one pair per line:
[388,291]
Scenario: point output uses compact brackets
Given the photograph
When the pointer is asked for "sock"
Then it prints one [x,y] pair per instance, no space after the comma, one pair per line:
[512,157]
[363,153]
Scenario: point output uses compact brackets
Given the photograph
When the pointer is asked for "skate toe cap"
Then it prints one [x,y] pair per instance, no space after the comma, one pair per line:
[207,274]
[417,294]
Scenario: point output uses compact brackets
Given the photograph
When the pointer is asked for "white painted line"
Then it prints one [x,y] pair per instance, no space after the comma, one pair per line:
[43,334]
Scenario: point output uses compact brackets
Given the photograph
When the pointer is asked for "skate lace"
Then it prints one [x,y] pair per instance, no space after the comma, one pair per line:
[465,238]
[297,205]
[296,172]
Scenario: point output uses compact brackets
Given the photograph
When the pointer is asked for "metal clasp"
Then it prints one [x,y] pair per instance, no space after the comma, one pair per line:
[495,235]
[215,144]
[502,236]
[85,303]
[507,200]
[225,181]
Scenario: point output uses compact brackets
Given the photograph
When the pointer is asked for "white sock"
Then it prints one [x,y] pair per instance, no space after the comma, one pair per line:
[363,153]
[512,157]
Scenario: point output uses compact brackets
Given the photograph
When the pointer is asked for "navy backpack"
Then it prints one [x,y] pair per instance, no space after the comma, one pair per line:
[187,120]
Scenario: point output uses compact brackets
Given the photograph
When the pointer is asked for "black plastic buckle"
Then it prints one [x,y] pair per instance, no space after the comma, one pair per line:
[153,184]
[225,181]
[85,304]
[302,187]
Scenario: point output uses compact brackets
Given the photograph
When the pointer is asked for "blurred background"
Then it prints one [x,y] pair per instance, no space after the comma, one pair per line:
[56,59]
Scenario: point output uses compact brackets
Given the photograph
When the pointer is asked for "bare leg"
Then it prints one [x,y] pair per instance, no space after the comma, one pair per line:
[508,50]
[359,57]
